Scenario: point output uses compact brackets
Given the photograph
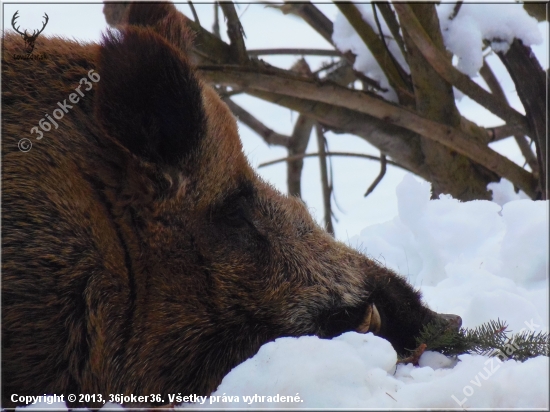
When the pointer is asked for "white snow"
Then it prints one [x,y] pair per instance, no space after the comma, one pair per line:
[497,23]
[463,35]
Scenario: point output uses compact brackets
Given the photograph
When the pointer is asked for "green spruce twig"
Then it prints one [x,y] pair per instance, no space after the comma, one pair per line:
[491,338]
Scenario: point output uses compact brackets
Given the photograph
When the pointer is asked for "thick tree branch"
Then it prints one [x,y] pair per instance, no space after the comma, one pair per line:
[216,24]
[235,31]
[399,143]
[501,132]
[435,100]
[208,48]
[255,80]
[446,70]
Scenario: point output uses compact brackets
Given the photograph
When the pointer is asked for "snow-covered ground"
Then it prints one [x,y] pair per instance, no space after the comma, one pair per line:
[481,260]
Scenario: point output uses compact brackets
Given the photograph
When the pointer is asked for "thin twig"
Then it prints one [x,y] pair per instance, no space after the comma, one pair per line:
[456,9]
[195,15]
[415,356]
[269,136]
[393,25]
[497,91]
[327,188]
[322,25]
[337,154]
[304,52]
[216,24]
[380,176]
[383,40]
[446,70]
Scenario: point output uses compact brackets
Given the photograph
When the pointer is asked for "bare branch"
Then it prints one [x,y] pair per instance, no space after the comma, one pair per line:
[208,47]
[303,52]
[446,70]
[297,146]
[235,31]
[393,72]
[383,40]
[497,91]
[216,24]
[269,136]
[502,132]
[195,15]
[532,86]
[393,25]
[327,188]
[456,9]
[342,154]
[380,176]
[320,23]
[254,80]
[299,139]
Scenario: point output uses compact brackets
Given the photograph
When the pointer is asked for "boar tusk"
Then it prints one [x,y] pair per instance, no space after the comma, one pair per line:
[372,321]
[376,322]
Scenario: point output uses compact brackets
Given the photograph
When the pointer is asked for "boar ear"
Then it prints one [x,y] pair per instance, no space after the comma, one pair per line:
[148,98]
[147,14]
[165,20]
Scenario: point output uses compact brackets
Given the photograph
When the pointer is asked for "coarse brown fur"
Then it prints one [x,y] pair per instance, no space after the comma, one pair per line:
[141,253]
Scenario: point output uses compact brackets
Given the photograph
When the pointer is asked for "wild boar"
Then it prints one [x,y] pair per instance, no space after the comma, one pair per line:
[141,253]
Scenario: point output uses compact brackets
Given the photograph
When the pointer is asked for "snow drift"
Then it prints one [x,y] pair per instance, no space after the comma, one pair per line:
[481,260]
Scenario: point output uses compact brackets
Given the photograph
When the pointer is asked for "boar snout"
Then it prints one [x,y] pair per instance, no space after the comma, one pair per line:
[453,321]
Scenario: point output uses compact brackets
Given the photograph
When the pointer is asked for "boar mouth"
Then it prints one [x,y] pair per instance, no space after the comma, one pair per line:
[371,321]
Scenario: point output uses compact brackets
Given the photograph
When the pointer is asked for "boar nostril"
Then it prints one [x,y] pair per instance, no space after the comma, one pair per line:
[371,322]
[453,321]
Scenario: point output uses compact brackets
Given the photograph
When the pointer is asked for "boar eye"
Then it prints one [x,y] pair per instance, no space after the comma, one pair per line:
[236,217]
